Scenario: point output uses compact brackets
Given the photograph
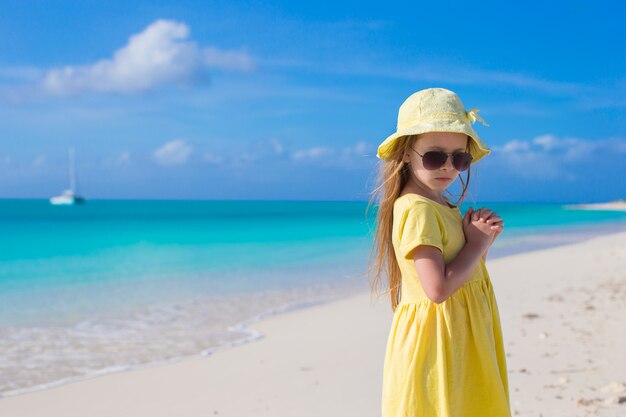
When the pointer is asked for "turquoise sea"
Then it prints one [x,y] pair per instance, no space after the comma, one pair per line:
[113,285]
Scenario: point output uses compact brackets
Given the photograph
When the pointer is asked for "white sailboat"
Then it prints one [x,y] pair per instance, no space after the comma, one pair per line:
[69,197]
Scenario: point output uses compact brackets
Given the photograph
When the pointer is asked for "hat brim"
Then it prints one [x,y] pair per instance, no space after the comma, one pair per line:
[477,147]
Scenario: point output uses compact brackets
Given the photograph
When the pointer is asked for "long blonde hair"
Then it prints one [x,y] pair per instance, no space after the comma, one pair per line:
[392,176]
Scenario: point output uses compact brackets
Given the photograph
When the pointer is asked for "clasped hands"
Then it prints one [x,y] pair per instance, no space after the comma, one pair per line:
[482,227]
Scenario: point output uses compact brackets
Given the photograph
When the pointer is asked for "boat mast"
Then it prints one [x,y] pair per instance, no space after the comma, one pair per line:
[72,171]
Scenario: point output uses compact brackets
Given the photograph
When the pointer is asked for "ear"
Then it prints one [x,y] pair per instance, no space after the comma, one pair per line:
[407,149]
[406,157]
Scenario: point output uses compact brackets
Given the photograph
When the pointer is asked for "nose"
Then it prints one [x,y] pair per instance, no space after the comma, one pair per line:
[448,164]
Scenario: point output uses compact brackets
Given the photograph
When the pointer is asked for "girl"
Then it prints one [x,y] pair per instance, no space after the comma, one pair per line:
[445,354]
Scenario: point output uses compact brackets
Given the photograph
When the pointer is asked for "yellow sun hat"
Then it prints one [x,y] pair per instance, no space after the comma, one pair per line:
[435,110]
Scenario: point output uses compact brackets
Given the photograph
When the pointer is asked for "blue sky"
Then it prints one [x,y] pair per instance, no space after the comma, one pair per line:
[282,100]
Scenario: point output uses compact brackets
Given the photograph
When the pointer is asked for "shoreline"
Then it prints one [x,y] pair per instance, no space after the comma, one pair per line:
[298,364]
[242,327]
[246,326]
[313,295]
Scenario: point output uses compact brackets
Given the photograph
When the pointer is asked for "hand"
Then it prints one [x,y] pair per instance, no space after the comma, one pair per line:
[477,231]
[489,217]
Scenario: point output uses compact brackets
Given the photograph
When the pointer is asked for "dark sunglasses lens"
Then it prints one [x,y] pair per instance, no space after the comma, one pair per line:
[434,159]
[461,161]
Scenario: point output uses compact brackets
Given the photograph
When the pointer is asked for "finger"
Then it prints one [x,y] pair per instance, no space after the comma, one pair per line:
[480,215]
[492,214]
[484,214]
[493,219]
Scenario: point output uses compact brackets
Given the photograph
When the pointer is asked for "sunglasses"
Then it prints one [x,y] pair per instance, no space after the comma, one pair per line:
[436,159]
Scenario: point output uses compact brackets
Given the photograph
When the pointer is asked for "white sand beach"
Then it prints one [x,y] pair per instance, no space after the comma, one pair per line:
[618,205]
[562,309]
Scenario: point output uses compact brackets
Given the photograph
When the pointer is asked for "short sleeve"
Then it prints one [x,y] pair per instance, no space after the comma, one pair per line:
[420,225]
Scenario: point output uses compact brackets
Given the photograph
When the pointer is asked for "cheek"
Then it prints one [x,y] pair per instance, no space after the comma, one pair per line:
[417,164]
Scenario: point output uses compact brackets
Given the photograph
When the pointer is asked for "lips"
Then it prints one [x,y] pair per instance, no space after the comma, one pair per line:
[443,179]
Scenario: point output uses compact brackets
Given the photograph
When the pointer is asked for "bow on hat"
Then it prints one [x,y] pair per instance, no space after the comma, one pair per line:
[473,116]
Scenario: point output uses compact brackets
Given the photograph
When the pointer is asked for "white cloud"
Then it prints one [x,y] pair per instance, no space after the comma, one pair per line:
[535,165]
[313,153]
[161,54]
[175,152]
[549,156]
[261,150]
[349,157]
[513,146]
[546,141]
[359,150]
[570,149]
[274,151]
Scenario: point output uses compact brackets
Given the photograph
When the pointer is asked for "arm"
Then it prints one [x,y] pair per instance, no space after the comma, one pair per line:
[440,280]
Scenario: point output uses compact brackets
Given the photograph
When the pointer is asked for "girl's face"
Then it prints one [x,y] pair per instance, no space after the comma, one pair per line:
[439,179]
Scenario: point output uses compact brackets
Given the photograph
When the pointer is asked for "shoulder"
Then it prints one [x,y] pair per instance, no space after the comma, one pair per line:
[415,205]
[415,212]
[419,223]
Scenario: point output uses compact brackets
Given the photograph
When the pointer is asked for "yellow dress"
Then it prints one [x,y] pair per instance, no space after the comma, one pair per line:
[442,360]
